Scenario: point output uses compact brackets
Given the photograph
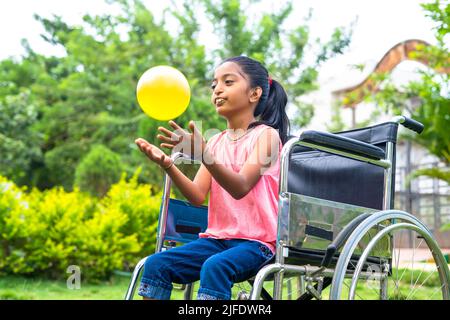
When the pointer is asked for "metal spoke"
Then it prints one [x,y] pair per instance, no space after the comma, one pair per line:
[415,289]
[421,272]
[408,263]
[374,290]
[437,289]
[412,286]
[412,267]
[291,293]
[398,267]
[355,292]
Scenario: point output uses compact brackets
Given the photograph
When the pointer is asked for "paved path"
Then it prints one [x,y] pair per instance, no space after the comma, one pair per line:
[416,259]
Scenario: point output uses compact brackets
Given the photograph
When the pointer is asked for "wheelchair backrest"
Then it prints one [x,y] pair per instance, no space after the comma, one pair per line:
[331,177]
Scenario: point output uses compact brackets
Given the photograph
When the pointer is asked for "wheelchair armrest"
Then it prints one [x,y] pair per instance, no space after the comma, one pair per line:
[341,143]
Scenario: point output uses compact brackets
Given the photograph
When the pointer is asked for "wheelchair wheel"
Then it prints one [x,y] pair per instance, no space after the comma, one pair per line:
[415,270]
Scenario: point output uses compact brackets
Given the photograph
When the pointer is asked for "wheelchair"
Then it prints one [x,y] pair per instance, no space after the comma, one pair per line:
[338,234]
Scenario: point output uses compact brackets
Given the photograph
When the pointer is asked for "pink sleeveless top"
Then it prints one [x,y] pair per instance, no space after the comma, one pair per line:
[253,217]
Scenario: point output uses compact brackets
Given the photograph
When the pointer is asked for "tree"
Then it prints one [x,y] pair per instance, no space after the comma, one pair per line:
[96,172]
[282,50]
[19,147]
[87,97]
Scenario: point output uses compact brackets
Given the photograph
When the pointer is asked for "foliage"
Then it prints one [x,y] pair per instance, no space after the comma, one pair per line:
[43,233]
[337,123]
[142,210]
[438,173]
[18,147]
[98,171]
[13,223]
[431,100]
[58,232]
[87,97]
[439,12]
[282,50]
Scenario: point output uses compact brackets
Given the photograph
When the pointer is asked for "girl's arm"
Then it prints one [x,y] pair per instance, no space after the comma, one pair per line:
[194,191]
[262,157]
[239,184]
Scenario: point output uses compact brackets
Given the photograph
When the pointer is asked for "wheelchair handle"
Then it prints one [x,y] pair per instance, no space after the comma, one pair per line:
[409,123]
[177,155]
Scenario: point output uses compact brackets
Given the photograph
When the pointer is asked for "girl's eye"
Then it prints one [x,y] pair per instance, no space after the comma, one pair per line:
[227,82]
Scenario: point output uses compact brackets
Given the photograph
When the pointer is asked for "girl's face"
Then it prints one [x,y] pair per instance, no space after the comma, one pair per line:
[231,90]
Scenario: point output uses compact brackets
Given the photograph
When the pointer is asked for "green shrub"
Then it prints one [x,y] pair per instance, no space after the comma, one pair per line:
[142,209]
[58,234]
[14,229]
[98,171]
[43,233]
[103,247]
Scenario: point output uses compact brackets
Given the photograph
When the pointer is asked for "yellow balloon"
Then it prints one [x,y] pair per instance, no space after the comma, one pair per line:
[163,93]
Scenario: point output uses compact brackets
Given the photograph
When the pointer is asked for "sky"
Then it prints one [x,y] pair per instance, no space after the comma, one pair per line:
[380,25]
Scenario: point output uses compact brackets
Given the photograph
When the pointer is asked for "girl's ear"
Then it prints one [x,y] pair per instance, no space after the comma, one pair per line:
[255,94]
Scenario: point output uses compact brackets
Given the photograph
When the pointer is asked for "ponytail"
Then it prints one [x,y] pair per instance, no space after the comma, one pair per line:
[271,108]
[274,111]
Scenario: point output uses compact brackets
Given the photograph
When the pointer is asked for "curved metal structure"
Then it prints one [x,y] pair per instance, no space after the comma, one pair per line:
[405,50]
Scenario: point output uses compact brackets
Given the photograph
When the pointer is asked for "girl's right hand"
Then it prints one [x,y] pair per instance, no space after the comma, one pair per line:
[154,153]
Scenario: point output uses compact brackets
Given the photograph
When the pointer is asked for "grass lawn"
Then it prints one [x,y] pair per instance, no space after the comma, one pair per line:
[22,288]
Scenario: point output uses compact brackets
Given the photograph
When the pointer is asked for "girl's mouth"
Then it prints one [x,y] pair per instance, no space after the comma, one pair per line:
[220,102]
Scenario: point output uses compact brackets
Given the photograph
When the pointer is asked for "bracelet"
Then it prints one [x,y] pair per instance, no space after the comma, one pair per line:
[168,166]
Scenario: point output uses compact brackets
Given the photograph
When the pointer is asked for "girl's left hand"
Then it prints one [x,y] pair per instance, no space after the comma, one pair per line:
[192,144]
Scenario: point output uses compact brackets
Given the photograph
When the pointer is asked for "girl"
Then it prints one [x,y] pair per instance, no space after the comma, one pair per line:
[240,168]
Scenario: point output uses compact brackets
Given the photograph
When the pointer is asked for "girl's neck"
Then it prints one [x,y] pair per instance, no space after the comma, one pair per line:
[240,123]
[237,128]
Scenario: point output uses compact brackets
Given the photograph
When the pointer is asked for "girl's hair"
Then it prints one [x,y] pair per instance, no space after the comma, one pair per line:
[271,107]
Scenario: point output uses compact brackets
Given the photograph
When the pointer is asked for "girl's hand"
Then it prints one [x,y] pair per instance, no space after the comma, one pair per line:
[154,153]
[192,144]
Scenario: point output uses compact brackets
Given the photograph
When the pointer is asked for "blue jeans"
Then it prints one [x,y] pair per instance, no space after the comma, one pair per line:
[217,263]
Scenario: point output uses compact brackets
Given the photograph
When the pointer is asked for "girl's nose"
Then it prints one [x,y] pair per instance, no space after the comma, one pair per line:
[218,89]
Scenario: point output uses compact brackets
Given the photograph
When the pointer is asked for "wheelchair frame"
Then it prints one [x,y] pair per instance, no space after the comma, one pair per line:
[347,239]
